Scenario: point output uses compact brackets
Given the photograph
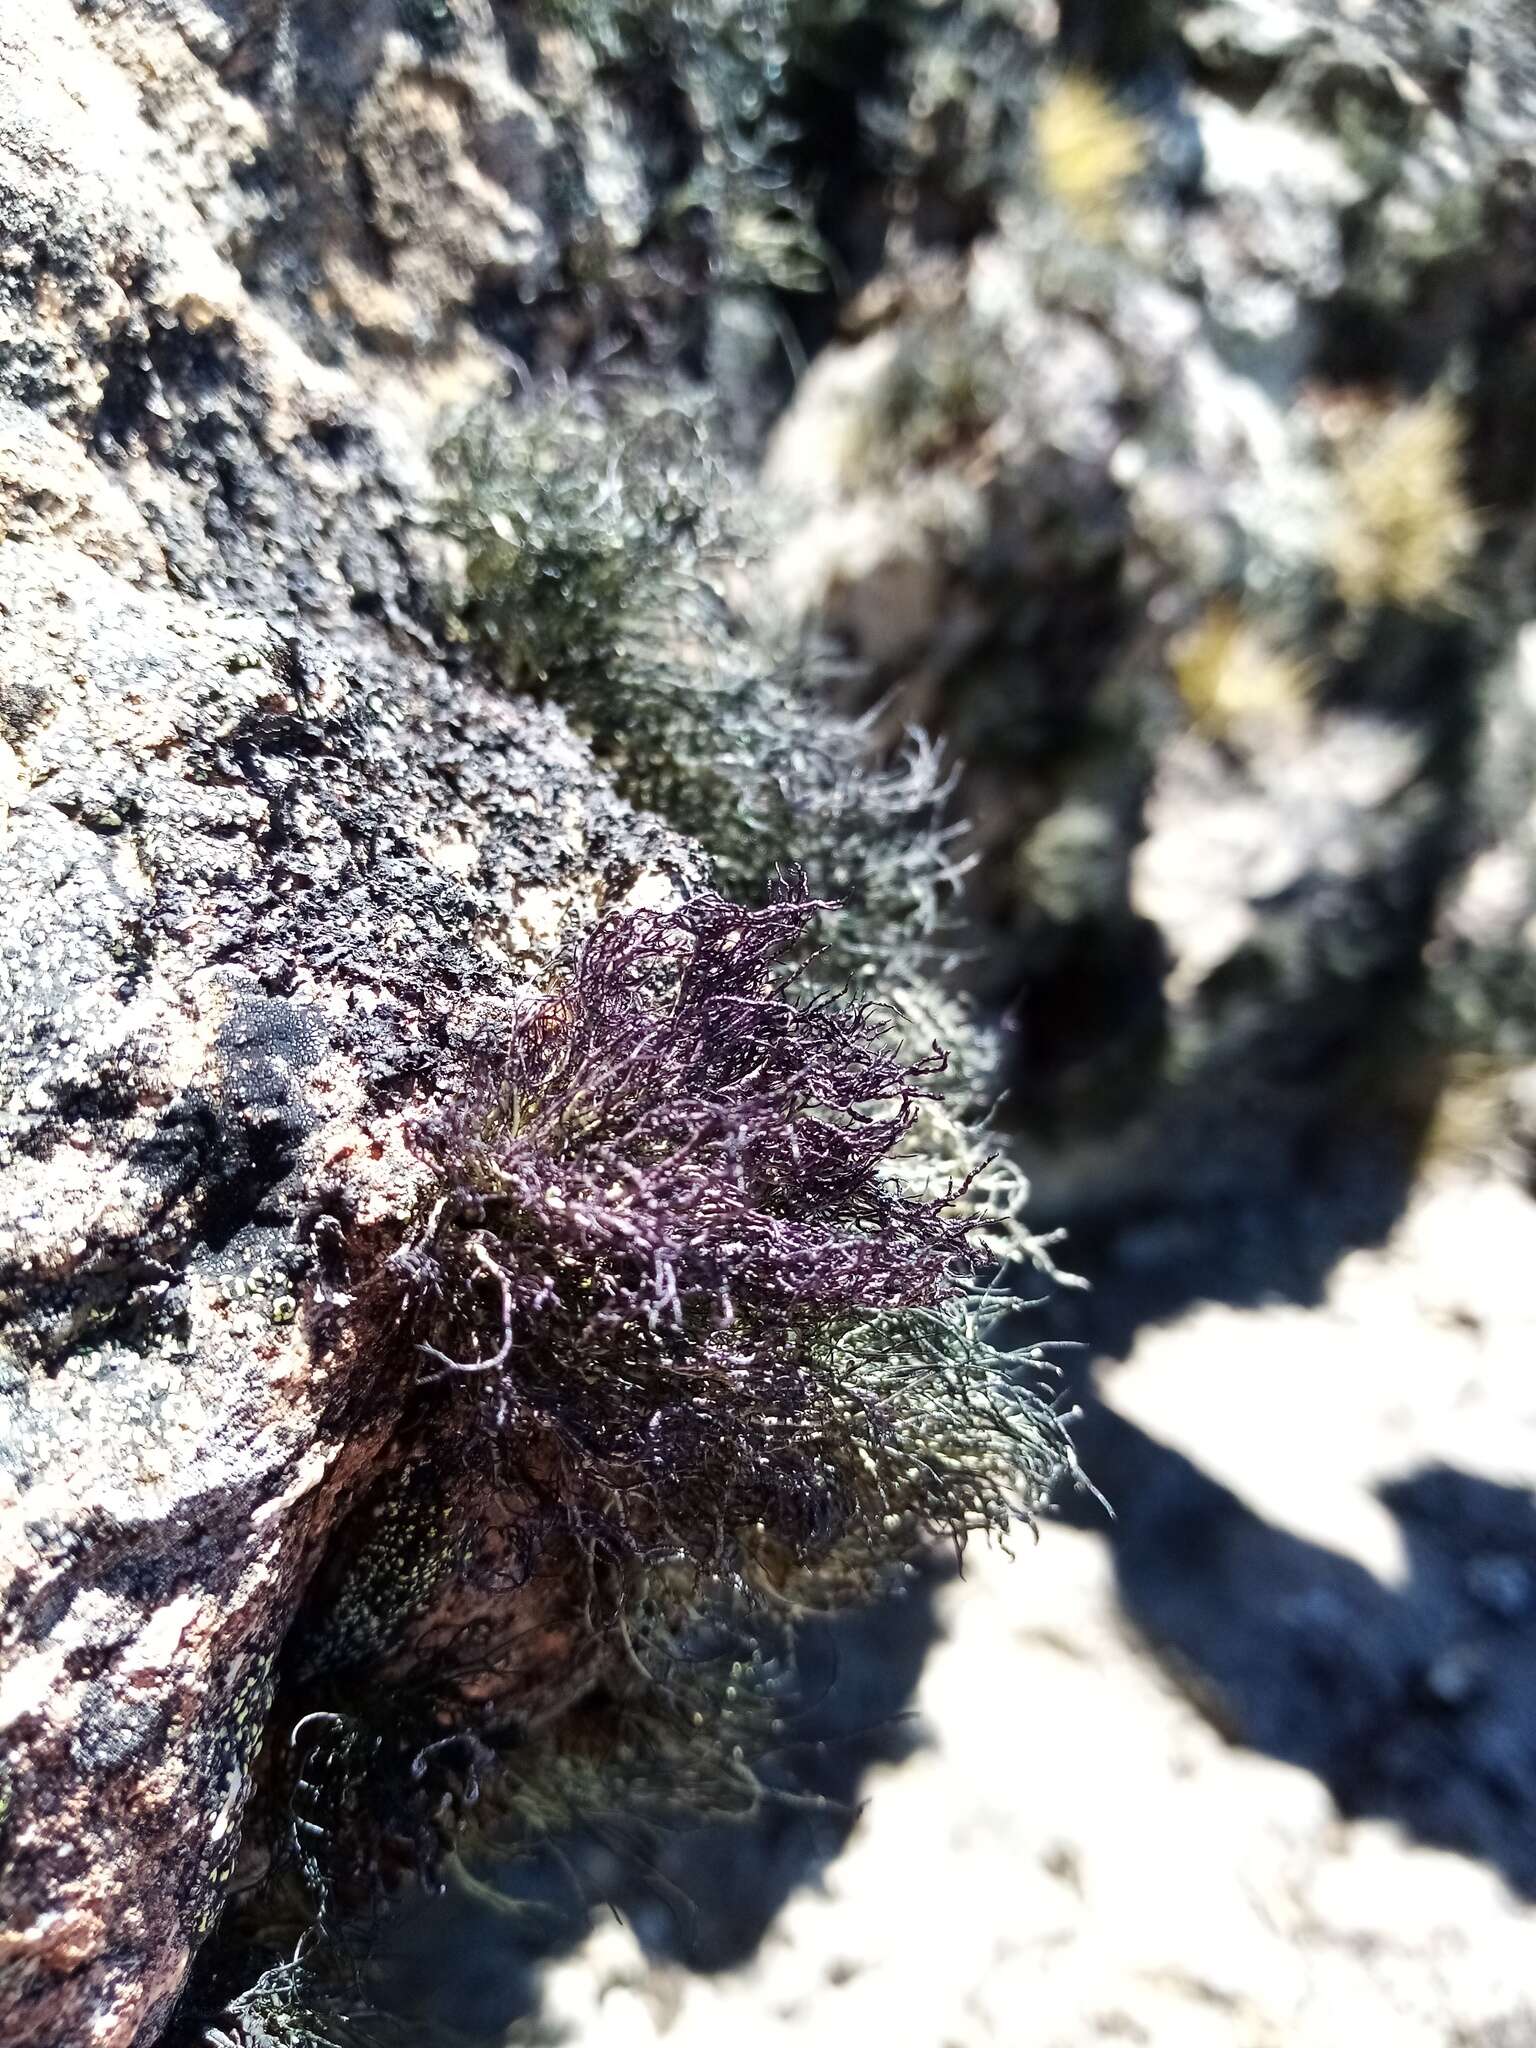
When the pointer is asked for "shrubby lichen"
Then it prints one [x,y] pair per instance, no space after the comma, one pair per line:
[1088,151]
[693,1329]
[605,563]
[682,1329]
[729,64]
[601,567]
[666,1257]
[1406,531]
[1230,673]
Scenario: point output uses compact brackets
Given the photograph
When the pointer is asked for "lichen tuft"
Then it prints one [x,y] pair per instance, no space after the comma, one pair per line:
[1089,152]
[1406,530]
[1231,675]
[602,567]
[669,1264]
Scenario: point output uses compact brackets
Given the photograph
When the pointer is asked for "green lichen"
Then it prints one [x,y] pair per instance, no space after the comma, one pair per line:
[603,568]
[394,1550]
[608,563]
[796,1388]
[731,67]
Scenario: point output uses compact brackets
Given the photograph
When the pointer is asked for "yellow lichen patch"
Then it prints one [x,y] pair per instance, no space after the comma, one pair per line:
[1406,529]
[1088,151]
[1228,673]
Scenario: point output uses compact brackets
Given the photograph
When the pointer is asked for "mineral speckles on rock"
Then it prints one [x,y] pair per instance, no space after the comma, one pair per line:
[232,949]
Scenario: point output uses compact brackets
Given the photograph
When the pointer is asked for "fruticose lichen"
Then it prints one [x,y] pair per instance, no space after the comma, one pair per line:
[1407,531]
[1230,674]
[604,567]
[1089,151]
[691,1330]
[667,1261]
[683,1341]
[606,563]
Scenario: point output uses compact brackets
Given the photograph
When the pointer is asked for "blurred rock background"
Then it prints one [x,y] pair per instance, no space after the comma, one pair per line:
[1145,394]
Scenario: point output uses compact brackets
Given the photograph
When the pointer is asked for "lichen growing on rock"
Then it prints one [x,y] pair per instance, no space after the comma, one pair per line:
[659,1229]
[684,1351]
[1230,674]
[603,566]
[1089,151]
[1407,531]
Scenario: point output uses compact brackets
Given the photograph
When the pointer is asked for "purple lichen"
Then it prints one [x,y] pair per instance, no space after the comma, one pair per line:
[668,1266]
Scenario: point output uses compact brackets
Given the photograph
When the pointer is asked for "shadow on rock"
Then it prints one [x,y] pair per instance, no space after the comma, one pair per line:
[465,1967]
[1415,1704]
[1311,1201]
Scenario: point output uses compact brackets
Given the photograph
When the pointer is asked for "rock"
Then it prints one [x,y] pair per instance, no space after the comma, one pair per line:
[268,856]
[1109,497]
[1199,518]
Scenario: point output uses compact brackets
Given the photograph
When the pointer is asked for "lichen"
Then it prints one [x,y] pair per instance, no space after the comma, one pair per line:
[680,1329]
[661,1232]
[607,563]
[1231,674]
[1406,531]
[394,1550]
[1089,152]
[603,566]
[730,64]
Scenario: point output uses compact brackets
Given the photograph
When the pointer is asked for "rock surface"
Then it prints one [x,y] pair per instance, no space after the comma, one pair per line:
[267,861]
[1169,455]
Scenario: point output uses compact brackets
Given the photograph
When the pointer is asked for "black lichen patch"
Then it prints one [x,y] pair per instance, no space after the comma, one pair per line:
[386,1560]
[157,359]
[250,519]
[433,23]
[216,1161]
[263,1049]
[342,830]
[113,1732]
[239,1729]
[230,1145]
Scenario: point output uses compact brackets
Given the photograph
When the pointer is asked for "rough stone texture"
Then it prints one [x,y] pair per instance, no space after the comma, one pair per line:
[271,852]
[267,860]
